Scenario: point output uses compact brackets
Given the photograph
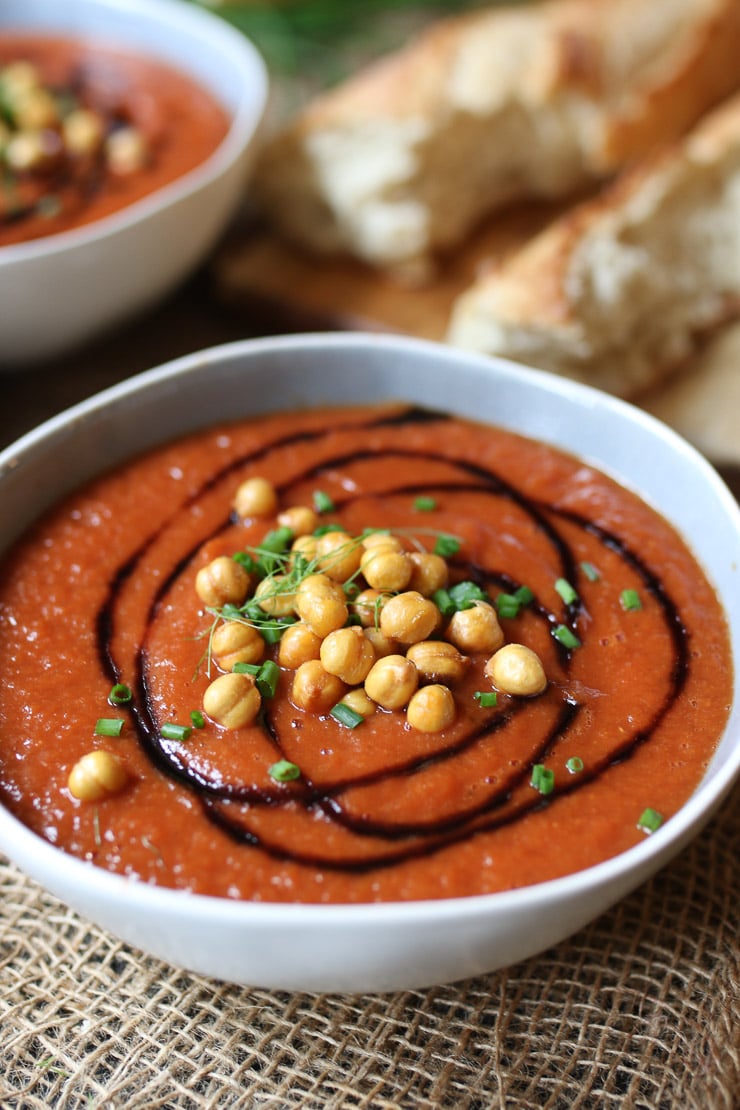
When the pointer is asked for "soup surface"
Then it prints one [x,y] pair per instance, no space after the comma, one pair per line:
[299,804]
[87,129]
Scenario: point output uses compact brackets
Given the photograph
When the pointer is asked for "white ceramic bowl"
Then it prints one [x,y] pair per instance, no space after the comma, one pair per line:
[60,291]
[390,946]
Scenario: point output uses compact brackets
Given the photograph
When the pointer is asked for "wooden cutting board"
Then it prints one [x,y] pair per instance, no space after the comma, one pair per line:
[275,287]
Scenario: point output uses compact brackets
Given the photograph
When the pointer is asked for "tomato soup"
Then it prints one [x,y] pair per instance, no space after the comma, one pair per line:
[87,129]
[226,776]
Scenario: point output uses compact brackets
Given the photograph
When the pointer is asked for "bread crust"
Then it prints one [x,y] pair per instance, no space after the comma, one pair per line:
[618,291]
[403,160]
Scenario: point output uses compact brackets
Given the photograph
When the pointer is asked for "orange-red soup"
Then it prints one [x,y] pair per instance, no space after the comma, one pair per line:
[66,185]
[102,591]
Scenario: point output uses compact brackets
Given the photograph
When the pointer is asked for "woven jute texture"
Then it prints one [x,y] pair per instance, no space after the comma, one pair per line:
[640,1009]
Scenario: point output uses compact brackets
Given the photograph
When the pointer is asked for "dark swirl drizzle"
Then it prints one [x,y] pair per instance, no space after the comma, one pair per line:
[228,804]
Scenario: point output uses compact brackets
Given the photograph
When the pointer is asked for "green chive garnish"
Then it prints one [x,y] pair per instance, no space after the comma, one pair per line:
[563,635]
[198,719]
[346,715]
[245,559]
[267,678]
[650,820]
[566,591]
[284,771]
[630,600]
[591,572]
[322,502]
[425,504]
[120,694]
[507,605]
[170,731]
[524,595]
[444,602]
[486,699]
[246,668]
[109,726]
[446,546]
[574,765]
[543,779]
[465,594]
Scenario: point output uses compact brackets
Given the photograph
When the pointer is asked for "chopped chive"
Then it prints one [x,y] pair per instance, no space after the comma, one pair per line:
[120,694]
[524,595]
[543,779]
[565,636]
[198,719]
[277,541]
[109,726]
[245,559]
[465,594]
[591,572]
[444,603]
[507,605]
[566,591]
[267,678]
[485,699]
[574,765]
[271,633]
[425,504]
[246,668]
[630,600]
[231,612]
[284,771]
[446,546]
[323,529]
[322,502]
[346,715]
[650,820]
[170,731]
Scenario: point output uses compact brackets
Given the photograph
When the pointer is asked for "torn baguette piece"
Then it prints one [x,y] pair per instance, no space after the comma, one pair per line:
[617,291]
[537,100]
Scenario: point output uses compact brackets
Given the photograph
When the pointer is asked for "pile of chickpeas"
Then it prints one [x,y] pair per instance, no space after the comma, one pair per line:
[42,128]
[383,644]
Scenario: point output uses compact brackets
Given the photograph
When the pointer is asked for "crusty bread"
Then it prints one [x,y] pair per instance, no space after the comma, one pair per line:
[617,292]
[401,161]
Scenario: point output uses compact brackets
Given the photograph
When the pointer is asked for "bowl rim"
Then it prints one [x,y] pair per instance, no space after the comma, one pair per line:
[640,859]
[245,121]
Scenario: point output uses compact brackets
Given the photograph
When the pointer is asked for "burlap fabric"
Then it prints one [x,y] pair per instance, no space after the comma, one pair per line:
[641,1009]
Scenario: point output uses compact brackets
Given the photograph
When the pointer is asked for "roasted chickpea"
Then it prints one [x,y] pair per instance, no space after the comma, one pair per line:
[298,644]
[273,598]
[516,669]
[234,642]
[338,555]
[305,546]
[97,775]
[232,700]
[359,702]
[382,645]
[367,606]
[429,572]
[437,661]
[314,689]
[348,654]
[391,681]
[34,109]
[83,131]
[386,568]
[299,518]
[222,580]
[25,151]
[255,497]
[126,151]
[476,629]
[409,618]
[321,603]
[381,539]
[431,709]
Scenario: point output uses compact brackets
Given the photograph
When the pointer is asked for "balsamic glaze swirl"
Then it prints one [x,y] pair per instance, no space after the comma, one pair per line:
[230,804]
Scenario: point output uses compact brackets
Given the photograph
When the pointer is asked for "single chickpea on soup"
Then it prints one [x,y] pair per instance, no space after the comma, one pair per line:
[355,655]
